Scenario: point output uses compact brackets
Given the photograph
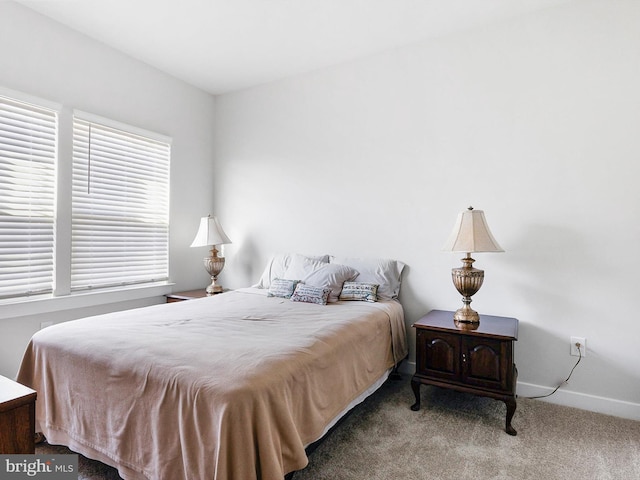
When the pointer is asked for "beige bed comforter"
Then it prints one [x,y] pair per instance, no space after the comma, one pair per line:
[231,387]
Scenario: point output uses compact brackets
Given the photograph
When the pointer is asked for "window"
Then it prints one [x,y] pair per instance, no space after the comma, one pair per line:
[28,146]
[120,205]
[84,204]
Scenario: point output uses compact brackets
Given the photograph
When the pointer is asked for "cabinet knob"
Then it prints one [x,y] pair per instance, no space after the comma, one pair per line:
[464,357]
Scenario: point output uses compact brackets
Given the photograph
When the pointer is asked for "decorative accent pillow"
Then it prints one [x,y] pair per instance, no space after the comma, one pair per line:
[382,271]
[282,288]
[318,274]
[277,265]
[310,294]
[364,292]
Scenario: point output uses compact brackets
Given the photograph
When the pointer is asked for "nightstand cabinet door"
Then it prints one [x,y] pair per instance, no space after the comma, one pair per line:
[483,362]
[438,354]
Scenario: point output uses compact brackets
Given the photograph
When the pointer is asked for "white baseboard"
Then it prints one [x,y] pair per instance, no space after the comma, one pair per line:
[593,403]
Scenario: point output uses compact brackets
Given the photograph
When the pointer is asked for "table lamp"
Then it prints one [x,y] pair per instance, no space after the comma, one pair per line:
[470,234]
[211,234]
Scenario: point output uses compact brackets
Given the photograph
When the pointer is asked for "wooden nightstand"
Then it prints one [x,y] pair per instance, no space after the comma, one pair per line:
[476,361]
[17,418]
[189,295]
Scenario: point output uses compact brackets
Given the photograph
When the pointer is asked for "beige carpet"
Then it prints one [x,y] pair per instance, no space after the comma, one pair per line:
[459,436]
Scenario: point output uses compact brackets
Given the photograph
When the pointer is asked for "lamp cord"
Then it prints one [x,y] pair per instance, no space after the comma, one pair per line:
[565,381]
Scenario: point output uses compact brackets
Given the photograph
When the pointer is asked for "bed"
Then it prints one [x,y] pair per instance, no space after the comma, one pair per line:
[228,387]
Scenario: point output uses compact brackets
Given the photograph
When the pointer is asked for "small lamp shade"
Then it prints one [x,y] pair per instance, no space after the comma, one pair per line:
[471,234]
[210,232]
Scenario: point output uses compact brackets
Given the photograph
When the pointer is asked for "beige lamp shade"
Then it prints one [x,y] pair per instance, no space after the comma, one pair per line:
[471,234]
[210,232]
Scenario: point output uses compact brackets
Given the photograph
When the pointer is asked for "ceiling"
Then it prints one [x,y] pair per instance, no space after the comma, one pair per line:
[227,45]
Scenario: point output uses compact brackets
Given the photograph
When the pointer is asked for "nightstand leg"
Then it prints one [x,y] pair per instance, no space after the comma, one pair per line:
[415,386]
[511,409]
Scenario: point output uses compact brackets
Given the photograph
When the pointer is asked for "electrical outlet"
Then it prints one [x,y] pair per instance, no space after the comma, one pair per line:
[583,346]
[45,324]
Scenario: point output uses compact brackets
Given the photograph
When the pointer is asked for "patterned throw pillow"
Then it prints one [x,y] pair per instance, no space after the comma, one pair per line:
[365,292]
[309,294]
[282,288]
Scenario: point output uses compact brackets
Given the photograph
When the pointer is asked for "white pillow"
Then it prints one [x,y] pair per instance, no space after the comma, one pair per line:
[382,271]
[318,274]
[277,265]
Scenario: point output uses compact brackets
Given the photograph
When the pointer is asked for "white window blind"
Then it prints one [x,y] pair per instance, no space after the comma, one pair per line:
[28,145]
[120,206]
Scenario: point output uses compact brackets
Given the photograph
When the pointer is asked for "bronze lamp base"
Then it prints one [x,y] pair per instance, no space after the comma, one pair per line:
[214,265]
[467,281]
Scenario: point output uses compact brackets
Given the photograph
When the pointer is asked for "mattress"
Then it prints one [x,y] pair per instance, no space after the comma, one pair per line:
[229,387]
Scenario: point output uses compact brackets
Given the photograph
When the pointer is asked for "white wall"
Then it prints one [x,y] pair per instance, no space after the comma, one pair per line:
[534,120]
[42,58]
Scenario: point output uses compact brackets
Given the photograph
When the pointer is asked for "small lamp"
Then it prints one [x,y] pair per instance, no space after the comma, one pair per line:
[211,234]
[470,234]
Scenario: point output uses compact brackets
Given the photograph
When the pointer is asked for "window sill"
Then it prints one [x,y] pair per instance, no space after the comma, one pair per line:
[38,304]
